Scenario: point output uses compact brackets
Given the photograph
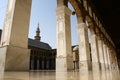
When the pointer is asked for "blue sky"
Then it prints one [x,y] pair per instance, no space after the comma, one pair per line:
[43,12]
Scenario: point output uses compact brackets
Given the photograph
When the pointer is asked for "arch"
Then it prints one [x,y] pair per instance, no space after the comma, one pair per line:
[78,10]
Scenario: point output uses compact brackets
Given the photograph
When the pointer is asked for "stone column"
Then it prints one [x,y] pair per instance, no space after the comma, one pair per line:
[108,58]
[111,58]
[14,41]
[105,56]
[115,59]
[94,51]
[84,49]
[101,53]
[64,53]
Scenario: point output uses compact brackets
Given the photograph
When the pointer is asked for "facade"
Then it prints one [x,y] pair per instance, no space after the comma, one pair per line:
[41,54]
[42,57]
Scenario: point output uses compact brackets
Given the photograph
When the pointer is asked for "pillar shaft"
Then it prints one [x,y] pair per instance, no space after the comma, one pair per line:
[64,53]
[101,55]
[16,26]
[84,51]
[105,56]
[108,58]
[94,52]
[115,60]
[14,39]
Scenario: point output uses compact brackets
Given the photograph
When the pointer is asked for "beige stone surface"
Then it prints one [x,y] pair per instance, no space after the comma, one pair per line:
[94,52]
[84,52]
[14,59]
[105,56]
[101,55]
[17,59]
[2,58]
[16,26]
[106,75]
[64,64]
[108,58]
[64,53]
[14,41]
[8,23]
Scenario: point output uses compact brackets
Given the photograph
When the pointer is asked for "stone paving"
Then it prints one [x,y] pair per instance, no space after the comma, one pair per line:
[51,75]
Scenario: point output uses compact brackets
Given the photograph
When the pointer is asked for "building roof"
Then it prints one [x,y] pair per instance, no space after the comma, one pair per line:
[35,43]
[38,44]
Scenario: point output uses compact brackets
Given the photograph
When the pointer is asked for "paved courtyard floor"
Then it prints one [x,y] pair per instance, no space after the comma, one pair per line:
[51,75]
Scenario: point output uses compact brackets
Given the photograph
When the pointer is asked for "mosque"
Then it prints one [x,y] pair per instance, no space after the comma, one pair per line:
[18,53]
[42,56]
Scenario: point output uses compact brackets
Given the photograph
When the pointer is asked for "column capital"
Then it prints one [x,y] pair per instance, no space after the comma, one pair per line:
[97,31]
[108,44]
[93,28]
[105,41]
[100,37]
[63,10]
[81,25]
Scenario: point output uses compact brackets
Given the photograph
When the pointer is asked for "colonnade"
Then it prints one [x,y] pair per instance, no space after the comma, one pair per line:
[102,48]
[42,60]
[42,64]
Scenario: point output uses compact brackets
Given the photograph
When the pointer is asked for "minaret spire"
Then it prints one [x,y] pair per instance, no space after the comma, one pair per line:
[37,37]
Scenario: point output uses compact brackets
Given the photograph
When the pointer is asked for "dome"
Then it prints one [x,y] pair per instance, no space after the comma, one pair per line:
[76,48]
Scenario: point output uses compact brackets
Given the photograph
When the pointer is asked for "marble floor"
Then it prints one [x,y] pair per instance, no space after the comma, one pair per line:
[51,75]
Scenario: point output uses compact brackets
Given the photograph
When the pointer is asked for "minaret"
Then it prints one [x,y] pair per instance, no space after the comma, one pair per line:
[37,37]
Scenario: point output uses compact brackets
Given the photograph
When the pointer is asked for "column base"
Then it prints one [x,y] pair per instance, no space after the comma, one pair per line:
[64,64]
[85,65]
[17,58]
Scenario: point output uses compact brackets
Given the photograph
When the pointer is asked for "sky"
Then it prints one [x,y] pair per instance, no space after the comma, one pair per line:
[43,12]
